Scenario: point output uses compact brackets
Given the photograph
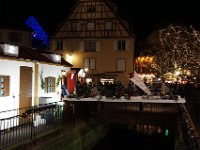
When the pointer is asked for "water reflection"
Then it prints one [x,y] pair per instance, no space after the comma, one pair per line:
[126,139]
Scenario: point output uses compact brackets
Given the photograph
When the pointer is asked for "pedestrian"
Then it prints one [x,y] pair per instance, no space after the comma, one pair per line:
[65,92]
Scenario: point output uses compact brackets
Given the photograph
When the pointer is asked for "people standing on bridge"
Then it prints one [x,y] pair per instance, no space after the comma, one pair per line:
[119,89]
[64,92]
[130,89]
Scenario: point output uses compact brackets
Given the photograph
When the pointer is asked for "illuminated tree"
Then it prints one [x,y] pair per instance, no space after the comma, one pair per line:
[179,49]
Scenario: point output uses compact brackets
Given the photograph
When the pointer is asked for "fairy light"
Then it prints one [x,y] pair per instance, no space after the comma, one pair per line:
[180,48]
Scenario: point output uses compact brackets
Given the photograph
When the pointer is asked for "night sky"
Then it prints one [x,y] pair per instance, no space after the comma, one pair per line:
[145,15]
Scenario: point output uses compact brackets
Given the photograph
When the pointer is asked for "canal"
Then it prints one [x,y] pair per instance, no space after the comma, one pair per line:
[125,139]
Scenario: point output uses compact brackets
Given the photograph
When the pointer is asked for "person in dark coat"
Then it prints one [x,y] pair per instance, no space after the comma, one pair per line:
[65,92]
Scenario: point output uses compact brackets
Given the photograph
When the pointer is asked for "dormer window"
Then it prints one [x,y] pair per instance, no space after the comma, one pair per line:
[10,50]
[56,58]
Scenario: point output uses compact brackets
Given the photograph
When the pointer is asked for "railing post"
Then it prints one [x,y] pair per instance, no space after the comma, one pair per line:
[33,134]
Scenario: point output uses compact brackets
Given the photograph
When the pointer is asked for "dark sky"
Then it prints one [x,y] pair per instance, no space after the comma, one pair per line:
[145,15]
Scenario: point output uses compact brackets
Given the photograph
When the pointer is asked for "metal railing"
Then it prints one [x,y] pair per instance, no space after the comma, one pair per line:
[26,123]
[188,134]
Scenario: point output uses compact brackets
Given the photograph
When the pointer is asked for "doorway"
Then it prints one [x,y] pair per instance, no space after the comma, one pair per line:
[25,98]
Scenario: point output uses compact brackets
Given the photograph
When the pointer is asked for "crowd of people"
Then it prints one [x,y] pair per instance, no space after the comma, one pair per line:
[190,91]
[118,89]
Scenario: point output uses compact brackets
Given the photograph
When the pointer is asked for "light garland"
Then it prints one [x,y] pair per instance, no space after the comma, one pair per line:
[179,48]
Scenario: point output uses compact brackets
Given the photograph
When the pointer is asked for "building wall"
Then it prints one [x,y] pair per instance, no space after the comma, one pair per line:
[25,37]
[106,56]
[12,68]
[95,21]
[53,71]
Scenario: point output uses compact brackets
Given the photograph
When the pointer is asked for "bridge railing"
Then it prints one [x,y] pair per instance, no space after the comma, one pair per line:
[26,123]
[188,134]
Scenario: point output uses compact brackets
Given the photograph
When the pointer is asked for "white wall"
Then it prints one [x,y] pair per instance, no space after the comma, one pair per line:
[54,71]
[12,69]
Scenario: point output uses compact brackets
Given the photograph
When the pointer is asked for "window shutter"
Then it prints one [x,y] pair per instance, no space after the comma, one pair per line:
[98,46]
[81,46]
[114,45]
[127,45]
[7,88]
[86,63]
[92,63]
[121,64]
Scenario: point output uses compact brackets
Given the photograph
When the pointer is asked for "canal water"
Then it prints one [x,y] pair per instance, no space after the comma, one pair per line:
[125,139]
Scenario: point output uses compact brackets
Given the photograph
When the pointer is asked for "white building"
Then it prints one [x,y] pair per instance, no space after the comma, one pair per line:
[29,77]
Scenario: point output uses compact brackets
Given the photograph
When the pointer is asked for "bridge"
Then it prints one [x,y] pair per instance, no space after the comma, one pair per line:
[143,114]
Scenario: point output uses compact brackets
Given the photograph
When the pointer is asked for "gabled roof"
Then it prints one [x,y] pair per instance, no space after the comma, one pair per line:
[81,15]
[29,54]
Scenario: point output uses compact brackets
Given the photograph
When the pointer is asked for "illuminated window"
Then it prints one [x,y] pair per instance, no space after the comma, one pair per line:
[4,85]
[103,81]
[50,83]
[90,63]
[121,64]
[14,37]
[90,46]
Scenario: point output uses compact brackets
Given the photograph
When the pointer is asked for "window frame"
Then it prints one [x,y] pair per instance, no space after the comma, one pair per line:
[90,25]
[121,45]
[59,45]
[50,84]
[108,26]
[88,63]
[119,66]
[4,85]
[90,46]
[91,8]
[15,37]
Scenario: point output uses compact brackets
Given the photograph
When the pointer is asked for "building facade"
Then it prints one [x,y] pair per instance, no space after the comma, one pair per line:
[16,36]
[93,36]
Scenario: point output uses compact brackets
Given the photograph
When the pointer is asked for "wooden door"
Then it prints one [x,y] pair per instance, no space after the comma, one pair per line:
[25,97]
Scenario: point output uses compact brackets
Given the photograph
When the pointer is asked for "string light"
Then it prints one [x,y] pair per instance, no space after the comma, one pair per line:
[179,48]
